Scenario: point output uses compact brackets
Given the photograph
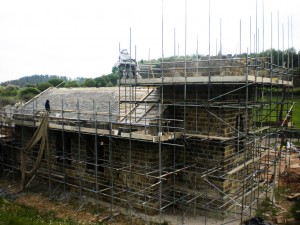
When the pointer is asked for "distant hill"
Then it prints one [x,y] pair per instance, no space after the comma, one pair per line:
[34,80]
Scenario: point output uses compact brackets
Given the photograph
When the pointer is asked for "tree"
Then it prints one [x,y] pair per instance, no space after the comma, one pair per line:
[109,84]
[115,70]
[44,86]
[28,93]
[101,81]
[89,82]
[72,83]
[55,81]
[10,90]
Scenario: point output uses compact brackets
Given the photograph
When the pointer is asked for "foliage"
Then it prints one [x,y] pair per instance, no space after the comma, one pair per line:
[109,80]
[11,100]
[109,84]
[89,82]
[101,81]
[33,80]
[28,93]
[8,95]
[29,85]
[114,70]
[17,214]
[266,207]
[55,81]
[10,90]
[43,86]
[72,83]
[278,56]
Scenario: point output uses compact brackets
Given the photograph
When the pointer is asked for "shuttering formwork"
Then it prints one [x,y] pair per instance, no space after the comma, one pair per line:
[194,137]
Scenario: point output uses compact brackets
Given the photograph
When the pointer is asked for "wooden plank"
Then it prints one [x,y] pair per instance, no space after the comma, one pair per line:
[245,164]
[259,130]
[294,196]
[142,136]
[210,137]
[76,129]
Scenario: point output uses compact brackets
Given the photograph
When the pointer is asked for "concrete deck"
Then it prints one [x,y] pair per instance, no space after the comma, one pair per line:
[218,79]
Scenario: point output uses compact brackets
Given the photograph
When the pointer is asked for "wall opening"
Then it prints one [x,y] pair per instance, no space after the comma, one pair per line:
[63,148]
[94,154]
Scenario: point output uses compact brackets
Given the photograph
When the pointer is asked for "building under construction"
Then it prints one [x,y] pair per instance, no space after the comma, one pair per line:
[195,137]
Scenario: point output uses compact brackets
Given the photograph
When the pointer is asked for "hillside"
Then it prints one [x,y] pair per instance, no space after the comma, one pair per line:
[32,80]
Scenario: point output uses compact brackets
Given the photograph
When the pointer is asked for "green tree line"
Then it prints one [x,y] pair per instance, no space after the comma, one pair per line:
[26,88]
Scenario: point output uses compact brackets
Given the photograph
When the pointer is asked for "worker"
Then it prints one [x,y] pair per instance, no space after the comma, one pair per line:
[47,105]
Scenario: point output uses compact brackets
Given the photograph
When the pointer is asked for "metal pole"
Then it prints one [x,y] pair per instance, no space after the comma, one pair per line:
[79,156]
[221,51]
[250,36]
[278,54]
[110,159]
[256,30]
[283,46]
[160,164]
[264,29]
[240,38]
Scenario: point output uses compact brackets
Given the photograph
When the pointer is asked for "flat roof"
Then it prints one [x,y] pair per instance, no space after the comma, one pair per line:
[217,79]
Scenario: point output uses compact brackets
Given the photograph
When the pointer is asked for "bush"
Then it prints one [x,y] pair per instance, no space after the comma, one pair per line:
[28,93]
[89,82]
[71,84]
[55,81]
[10,90]
[43,86]
[266,206]
[8,100]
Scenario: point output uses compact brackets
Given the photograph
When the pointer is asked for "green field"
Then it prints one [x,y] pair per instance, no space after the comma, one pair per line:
[296,112]
[272,114]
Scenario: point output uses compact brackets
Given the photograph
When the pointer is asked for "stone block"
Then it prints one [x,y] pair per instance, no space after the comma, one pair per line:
[280,220]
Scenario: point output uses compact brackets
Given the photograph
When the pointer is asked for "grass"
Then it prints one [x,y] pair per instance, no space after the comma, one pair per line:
[272,115]
[296,112]
[12,213]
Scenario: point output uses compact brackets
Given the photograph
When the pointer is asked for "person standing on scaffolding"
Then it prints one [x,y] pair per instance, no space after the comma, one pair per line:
[47,105]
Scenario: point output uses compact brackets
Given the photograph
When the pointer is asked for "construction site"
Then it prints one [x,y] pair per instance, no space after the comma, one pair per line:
[197,138]
[201,139]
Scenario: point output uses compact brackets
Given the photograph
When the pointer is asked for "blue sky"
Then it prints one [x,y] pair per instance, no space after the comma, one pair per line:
[82,37]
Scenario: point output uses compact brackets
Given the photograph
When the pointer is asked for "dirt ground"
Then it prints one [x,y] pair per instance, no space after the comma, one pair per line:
[62,209]
[288,186]
[66,209]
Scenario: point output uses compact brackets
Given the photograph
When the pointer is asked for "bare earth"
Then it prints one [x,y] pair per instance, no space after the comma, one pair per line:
[65,209]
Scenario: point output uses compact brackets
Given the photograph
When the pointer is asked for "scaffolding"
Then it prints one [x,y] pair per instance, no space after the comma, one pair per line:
[195,138]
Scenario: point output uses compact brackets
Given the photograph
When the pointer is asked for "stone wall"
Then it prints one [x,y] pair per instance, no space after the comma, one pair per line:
[135,172]
[201,116]
[201,94]
[130,167]
[209,177]
[127,170]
